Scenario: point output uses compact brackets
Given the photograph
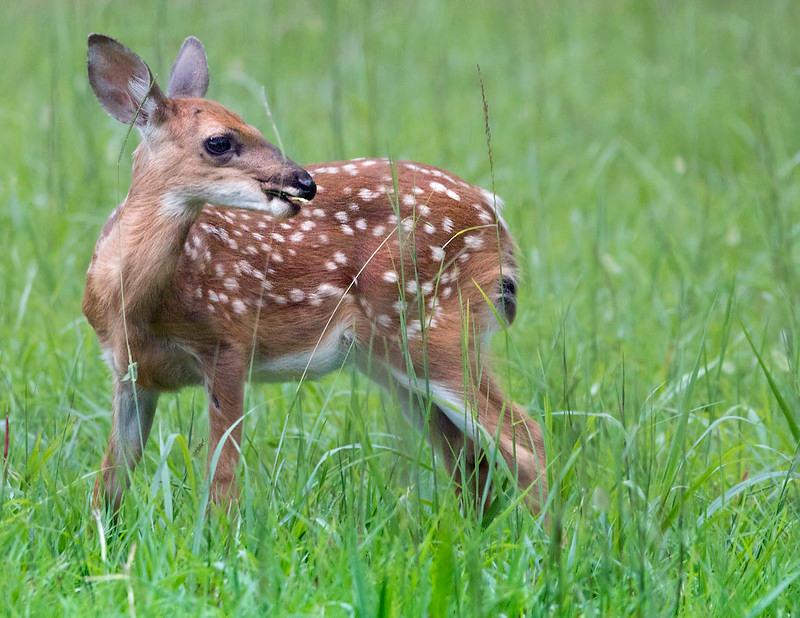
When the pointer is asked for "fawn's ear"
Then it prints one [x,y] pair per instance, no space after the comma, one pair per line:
[188,77]
[122,82]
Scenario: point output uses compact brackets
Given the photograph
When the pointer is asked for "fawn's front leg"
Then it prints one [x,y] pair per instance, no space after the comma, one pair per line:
[225,387]
[132,418]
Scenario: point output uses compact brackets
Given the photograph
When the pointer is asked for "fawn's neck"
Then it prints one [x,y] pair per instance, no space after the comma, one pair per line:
[138,254]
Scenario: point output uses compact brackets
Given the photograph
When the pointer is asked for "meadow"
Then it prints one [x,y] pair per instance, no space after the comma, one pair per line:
[649,157]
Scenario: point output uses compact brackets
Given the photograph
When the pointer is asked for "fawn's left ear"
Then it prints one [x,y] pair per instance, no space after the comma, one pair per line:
[188,77]
[123,83]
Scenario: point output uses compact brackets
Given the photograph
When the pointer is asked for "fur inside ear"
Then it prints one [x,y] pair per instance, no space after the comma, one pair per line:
[122,82]
[188,77]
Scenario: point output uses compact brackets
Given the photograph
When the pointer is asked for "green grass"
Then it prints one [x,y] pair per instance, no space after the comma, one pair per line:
[648,154]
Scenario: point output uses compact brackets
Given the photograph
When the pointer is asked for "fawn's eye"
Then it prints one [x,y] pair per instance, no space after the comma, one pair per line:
[217,145]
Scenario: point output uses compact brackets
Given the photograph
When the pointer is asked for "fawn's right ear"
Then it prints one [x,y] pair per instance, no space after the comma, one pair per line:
[122,82]
[188,77]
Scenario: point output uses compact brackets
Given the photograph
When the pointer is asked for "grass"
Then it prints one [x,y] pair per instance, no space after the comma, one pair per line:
[648,154]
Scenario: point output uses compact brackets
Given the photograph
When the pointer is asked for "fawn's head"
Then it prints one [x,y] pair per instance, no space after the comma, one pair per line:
[193,150]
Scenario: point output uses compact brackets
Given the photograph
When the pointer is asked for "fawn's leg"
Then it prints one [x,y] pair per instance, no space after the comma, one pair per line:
[225,388]
[460,381]
[132,417]
[457,452]
[464,460]
[487,415]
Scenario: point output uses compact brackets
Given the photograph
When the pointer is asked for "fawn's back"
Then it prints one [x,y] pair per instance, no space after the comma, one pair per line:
[394,253]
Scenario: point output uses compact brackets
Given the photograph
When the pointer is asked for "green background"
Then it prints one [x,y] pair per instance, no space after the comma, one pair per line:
[648,154]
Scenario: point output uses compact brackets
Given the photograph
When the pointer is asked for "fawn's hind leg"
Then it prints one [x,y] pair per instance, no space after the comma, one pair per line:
[461,457]
[473,419]
[485,415]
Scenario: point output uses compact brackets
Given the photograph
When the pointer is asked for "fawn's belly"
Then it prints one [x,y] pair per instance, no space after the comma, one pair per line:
[328,354]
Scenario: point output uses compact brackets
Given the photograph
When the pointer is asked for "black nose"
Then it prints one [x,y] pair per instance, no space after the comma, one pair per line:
[306,184]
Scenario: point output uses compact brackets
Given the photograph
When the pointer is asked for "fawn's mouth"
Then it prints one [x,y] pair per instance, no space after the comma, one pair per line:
[285,195]
[294,201]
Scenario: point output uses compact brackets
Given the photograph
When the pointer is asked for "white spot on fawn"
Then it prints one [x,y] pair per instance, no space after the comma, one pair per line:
[384,320]
[296,295]
[367,195]
[473,242]
[390,276]
[326,289]
[238,306]
[438,253]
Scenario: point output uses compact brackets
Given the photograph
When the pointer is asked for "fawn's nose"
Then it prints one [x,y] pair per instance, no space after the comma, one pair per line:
[306,184]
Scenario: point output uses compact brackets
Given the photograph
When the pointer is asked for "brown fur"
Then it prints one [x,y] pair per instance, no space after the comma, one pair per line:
[385,259]
[177,339]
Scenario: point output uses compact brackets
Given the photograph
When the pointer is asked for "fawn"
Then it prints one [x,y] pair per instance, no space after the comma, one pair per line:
[226,260]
